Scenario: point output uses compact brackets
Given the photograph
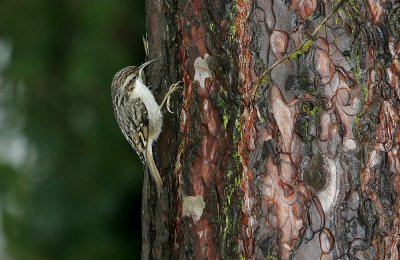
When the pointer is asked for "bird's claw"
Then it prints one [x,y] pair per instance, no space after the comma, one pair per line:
[171,90]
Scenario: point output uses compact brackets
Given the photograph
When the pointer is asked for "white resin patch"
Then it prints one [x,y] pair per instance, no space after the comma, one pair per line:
[202,71]
[193,206]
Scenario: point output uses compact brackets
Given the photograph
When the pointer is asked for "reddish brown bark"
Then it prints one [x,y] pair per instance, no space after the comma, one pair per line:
[306,168]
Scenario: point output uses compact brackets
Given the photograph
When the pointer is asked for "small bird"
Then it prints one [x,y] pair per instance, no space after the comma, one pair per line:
[138,114]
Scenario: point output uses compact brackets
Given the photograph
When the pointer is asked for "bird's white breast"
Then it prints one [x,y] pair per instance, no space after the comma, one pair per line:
[153,110]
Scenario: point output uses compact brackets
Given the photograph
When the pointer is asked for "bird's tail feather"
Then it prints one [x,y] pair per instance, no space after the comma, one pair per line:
[153,168]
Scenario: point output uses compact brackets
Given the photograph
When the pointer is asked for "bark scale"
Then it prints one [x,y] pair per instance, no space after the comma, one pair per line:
[308,167]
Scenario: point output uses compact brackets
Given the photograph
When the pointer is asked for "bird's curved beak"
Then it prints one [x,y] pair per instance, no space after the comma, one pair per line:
[141,67]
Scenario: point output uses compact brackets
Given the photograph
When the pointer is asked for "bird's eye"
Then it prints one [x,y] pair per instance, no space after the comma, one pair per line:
[132,80]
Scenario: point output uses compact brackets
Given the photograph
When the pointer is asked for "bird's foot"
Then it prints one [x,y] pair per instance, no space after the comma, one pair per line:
[172,89]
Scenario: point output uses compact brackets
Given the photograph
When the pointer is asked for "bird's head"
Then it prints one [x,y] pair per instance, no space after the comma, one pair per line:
[125,79]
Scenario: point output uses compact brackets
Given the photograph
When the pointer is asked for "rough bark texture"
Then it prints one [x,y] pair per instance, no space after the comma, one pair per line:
[308,166]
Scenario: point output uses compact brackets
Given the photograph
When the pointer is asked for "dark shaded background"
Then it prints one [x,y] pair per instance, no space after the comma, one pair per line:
[77,193]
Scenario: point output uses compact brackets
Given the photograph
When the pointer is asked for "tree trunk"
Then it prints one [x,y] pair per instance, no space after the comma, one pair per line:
[285,139]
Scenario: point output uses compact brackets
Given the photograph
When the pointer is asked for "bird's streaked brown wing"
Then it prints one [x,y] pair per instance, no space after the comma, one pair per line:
[138,131]
[134,125]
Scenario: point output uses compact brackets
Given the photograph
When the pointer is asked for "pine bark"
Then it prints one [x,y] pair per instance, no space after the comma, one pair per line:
[285,139]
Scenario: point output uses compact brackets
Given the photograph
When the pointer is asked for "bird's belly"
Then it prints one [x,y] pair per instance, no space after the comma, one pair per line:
[153,111]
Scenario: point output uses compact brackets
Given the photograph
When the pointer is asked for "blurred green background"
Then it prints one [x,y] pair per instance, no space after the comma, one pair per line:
[70,185]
